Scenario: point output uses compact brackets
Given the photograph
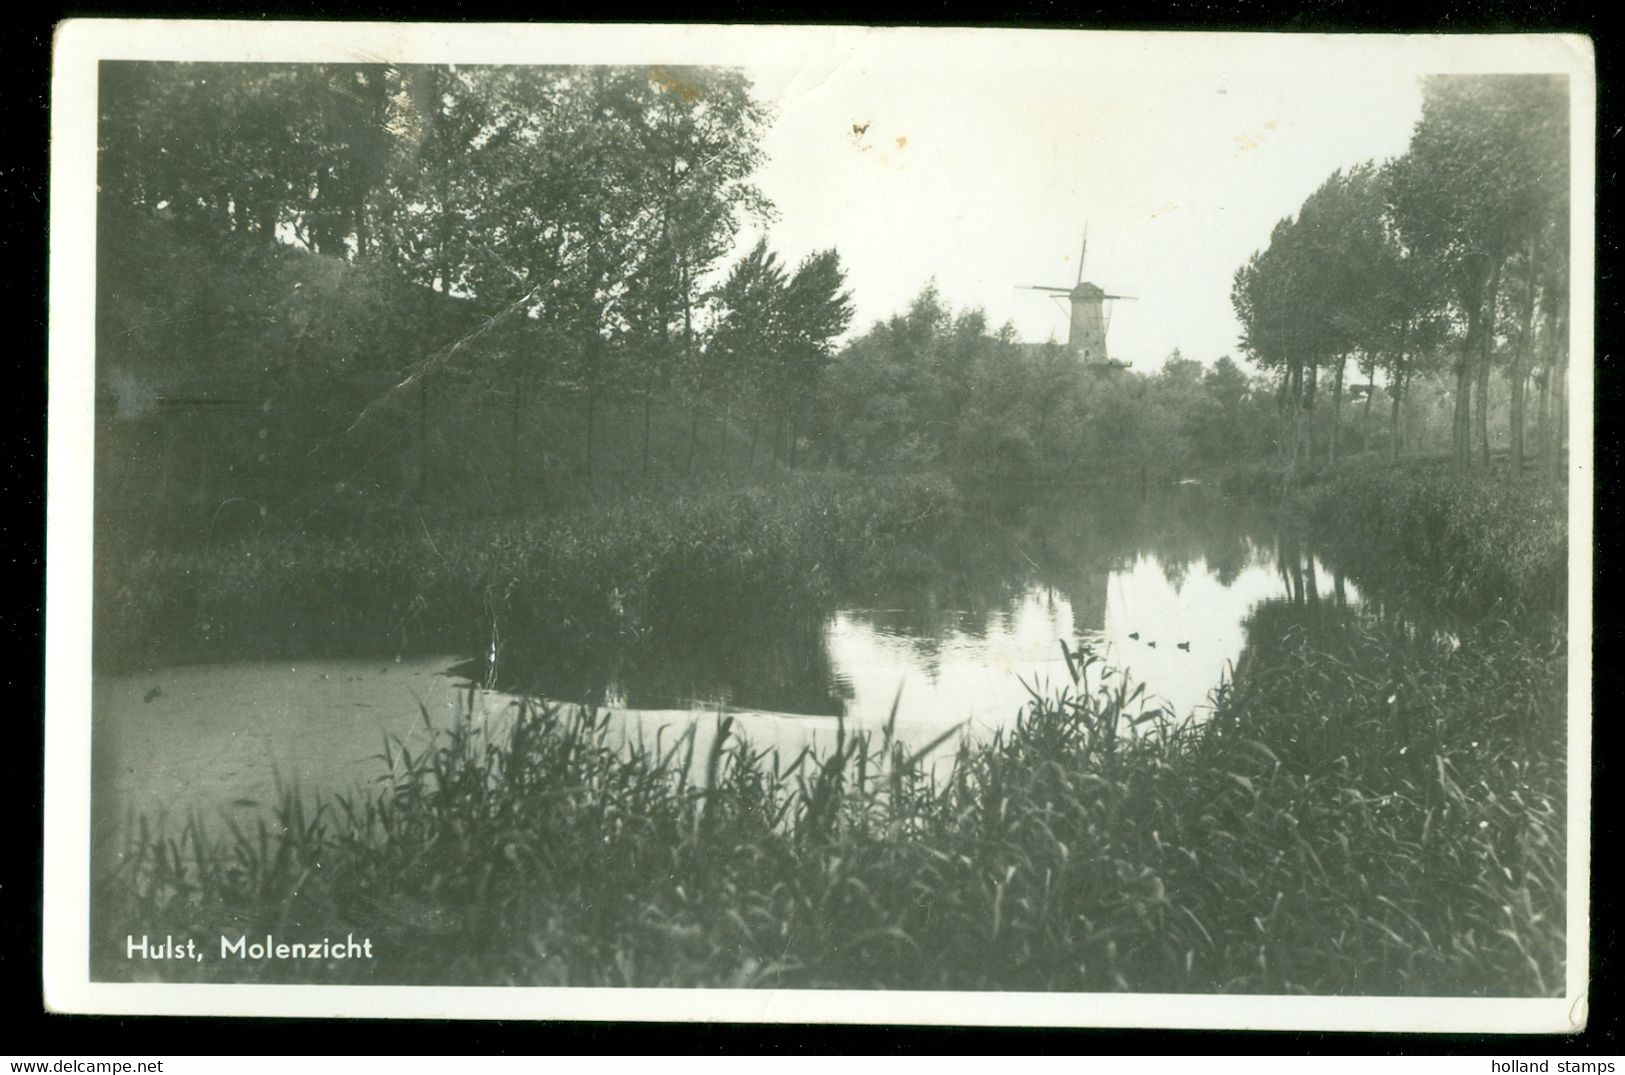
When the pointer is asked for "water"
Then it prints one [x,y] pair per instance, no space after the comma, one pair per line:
[1169,588]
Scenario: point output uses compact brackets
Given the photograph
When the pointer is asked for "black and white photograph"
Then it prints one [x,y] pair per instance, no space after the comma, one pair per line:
[821,523]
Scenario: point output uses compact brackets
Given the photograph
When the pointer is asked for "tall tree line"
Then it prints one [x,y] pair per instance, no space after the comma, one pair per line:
[1452,258]
[937,387]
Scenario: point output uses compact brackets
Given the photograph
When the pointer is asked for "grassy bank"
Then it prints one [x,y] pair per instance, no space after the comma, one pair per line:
[1367,813]
[593,578]
[1373,808]
[1477,544]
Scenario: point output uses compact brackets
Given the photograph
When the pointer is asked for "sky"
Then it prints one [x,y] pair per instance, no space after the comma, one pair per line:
[982,166]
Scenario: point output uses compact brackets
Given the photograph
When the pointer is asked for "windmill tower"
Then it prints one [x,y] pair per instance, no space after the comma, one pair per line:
[1090,314]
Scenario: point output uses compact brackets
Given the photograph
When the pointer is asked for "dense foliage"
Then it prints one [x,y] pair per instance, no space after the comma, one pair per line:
[319,274]
[935,387]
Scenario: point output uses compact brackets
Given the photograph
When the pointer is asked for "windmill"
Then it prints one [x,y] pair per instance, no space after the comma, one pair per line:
[1090,315]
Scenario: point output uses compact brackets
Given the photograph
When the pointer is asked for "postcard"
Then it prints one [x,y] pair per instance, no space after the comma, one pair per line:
[761,523]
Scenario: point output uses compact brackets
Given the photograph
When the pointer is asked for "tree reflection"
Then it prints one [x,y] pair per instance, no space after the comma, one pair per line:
[782,665]
[995,566]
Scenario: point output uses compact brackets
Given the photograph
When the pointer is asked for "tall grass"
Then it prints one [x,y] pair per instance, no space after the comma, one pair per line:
[1366,812]
[591,579]
[1476,543]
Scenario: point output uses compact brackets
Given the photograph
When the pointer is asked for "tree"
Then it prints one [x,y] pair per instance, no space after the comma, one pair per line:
[886,392]
[1390,305]
[816,310]
[748,309]
[269,150]
[554,222]
[1483,170]
[1279,304]
[1553,344]
[1217,422]
[694,148]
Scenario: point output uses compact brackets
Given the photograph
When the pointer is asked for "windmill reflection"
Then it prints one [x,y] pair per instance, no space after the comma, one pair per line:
[1180,586]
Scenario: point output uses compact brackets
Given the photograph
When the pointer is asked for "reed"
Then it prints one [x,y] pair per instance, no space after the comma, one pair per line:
[594,579]
[1474,544]
[1478,543]
[1366,811]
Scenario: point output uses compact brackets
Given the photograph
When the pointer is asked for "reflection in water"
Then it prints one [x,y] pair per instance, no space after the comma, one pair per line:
[1163,584]
[1176,589]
